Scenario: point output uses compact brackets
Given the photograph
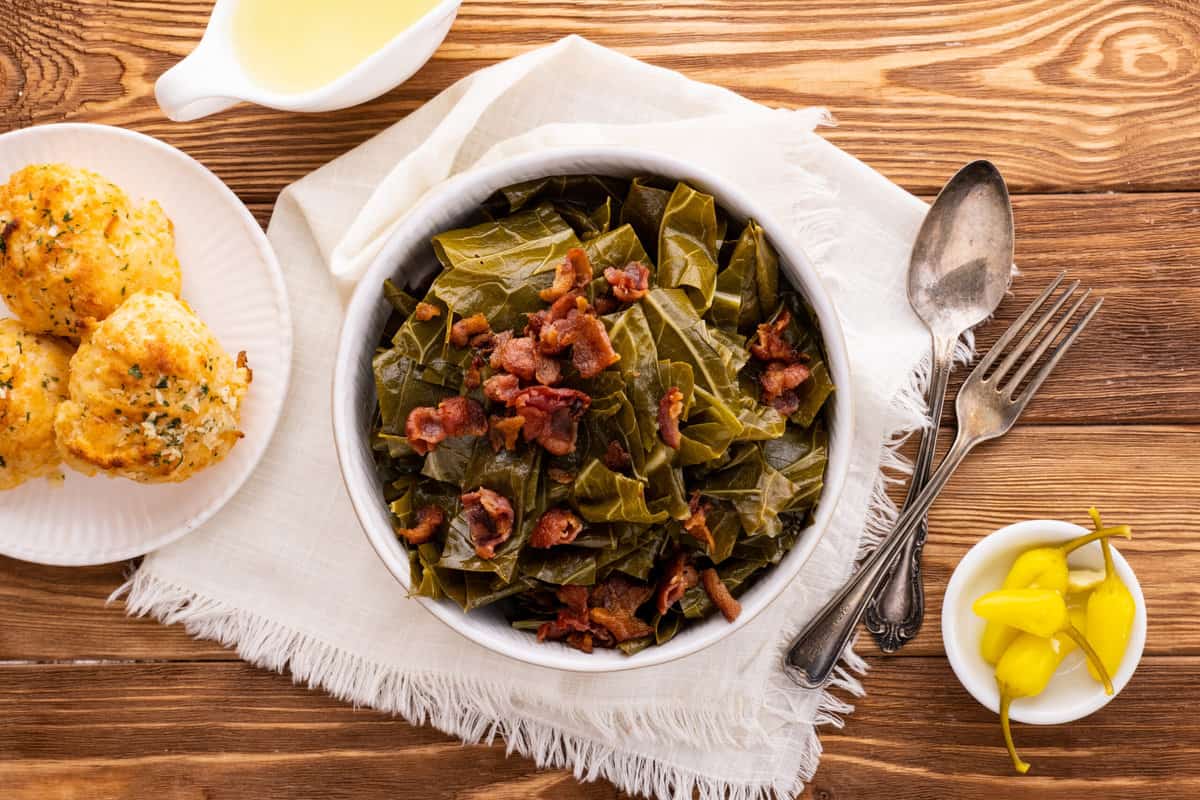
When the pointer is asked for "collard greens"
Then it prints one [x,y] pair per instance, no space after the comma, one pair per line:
[712,282]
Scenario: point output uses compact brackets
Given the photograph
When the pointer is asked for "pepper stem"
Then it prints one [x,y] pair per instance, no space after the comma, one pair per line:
[1100,533]
[1005,701]
[1082,641]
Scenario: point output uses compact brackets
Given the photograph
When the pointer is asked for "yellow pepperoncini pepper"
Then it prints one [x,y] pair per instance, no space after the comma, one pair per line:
[1110,612]
[1042,612]
[1041,568]
[1025,669]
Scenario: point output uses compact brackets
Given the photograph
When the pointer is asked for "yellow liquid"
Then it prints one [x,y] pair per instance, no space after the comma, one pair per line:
[298,45]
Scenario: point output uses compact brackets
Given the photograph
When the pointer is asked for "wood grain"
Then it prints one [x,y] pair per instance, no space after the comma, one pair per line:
[124,731]
[219,731]
[1066,95]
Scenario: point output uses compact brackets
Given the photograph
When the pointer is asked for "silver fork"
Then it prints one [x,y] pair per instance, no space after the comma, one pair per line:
[987,406]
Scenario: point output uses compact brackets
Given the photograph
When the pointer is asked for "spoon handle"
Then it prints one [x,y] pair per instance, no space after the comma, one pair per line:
[898,609]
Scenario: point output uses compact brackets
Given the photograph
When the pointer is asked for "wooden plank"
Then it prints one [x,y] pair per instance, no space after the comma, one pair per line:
[1065,94]
[120,731]
[229,731]
[1047,472]
[919,735]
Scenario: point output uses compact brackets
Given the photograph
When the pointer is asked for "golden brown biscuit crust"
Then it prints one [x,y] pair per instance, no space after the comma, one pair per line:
[33,381]
[153,396]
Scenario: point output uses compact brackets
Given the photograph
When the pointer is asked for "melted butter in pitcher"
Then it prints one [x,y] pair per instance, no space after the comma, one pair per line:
[300,45]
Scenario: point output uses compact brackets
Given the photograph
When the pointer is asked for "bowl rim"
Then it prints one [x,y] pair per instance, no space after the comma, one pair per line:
[598,159]
[1033,532]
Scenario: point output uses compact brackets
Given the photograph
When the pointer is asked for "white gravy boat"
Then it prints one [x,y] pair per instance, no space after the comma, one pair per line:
[211,79]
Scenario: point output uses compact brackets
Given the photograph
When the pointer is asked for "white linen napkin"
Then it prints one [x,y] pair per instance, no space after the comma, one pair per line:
[285,574]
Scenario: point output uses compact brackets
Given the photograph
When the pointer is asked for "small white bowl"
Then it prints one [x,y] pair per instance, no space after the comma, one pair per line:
[1072,693]
[211,78]
[407,257]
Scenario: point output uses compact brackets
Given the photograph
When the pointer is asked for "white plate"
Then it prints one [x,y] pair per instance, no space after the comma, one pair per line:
[231,279]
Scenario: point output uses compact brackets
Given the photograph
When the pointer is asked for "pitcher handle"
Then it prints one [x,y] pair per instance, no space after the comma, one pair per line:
[189,90]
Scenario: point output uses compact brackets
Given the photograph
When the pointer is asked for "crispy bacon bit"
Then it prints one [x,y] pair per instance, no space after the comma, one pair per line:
[489,519]
[591,350]
[779,382]
[429,520]
[473,379]
[547,370]
[697,523]
[622,628]
[552,416]
[426,426]
[559,475]
[620,594]
[426,311]
[465,330]
[678,576]
[556,526]
[616,458]
[575,272]
[573,621]
[670,409]
[503,432]
[769,344]
[719,594]
[518,356]
[502,388]
[630,283]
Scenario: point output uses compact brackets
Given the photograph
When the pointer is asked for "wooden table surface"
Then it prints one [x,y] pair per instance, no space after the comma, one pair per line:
[1092,110]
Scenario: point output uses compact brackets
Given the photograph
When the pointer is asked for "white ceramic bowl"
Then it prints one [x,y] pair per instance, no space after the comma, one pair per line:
[211,78]
[1072,694]
[408,258]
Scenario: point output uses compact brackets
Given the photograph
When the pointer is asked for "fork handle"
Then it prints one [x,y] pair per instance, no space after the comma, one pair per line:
[814,653]
[896,612]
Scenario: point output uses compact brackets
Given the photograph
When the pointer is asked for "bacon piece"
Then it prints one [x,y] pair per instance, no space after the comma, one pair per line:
[426,311]
[591,349]
[556,526]
[718,592]
[489,519]
[779,382]
[502,388]
[560,475]
[630,283]
[574,272]
[670,409]
[616,458]
[678,576]
[769,344]
[503,432]
[426,426]
[547,370]
[573,621]
[517,356]
[465,330]
[622,628]
[473,379]
[429,520]
[620,594]
[697,524]
[552,416]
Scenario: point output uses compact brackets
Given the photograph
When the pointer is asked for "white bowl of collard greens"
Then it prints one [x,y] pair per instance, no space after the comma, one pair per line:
[418,421]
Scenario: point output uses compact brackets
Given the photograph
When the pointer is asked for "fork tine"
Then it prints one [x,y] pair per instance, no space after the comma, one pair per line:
[990,357]
[1010,388]
[1048,367]
[1034,330]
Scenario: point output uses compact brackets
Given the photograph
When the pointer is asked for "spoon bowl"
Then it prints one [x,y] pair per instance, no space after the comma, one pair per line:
[962,257]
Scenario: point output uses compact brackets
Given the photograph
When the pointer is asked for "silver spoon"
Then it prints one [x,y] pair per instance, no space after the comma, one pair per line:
[960,268]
